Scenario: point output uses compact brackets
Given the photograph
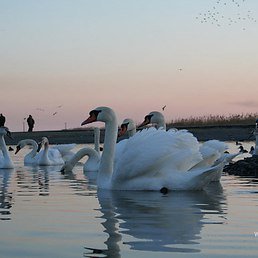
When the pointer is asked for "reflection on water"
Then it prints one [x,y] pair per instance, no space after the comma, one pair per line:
[46,214]
[157,222]
[33,180]
[5,195]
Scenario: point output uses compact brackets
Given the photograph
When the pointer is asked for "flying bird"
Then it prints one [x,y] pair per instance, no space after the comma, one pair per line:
[163,108]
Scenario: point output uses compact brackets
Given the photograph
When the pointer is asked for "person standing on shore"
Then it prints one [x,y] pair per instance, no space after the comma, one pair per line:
[2,120]
[31,123]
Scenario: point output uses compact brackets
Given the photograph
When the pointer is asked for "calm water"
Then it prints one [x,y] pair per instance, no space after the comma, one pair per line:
[46,214]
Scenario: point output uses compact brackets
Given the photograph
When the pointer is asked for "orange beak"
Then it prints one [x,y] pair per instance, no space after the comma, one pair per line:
[122,131]
[145,122]
[89,120]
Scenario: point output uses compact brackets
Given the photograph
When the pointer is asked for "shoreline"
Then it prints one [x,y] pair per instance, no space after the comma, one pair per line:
[202,133]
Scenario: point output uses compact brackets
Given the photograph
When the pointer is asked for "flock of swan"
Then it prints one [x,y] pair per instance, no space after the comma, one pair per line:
[149,159]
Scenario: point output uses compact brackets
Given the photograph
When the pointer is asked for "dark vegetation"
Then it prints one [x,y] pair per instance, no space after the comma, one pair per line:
[216,120]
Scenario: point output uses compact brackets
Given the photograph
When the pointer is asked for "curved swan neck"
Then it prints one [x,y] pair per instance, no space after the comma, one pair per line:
[91,153]
[34,145]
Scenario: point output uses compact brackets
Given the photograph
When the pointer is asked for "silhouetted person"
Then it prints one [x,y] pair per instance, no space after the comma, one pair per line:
[2,120]
[31,123]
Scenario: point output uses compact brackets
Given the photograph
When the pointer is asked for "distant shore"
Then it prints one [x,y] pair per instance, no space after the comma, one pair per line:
[202,133]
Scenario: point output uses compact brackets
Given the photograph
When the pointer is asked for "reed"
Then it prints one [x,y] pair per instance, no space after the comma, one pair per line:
[216,120]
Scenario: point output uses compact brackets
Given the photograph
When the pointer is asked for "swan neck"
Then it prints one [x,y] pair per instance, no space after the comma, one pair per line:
[132,132]
[107,158]
[161,124]
[91,153]
[3,147]
[45,153]
[96,139]
[34,145]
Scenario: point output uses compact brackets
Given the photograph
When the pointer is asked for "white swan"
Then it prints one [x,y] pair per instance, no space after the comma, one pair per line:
[92,163]
[5,159]
[154,117]
[150,160]
[33,156]
[65,150]
[213,151]
[49,156]
[128,126]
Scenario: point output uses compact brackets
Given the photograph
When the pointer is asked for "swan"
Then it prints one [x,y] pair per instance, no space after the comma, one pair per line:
[92,163]
[213,151]
[49,156]
[5,159]
[97,139]
[65,150]
[32,157]
[154,117]
[128,126]
[152,159]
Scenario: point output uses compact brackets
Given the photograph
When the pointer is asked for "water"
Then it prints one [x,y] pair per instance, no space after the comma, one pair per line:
[46,214]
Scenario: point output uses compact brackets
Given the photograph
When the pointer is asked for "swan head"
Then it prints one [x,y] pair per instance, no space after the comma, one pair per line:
[44,141]
[102,114]
[127,125]
[67,167]
[21,144]
[5,131]
[153,117]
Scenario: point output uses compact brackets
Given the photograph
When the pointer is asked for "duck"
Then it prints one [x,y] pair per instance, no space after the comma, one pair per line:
[252,150]
[92,163]
[242,149]
[5,158]
[167,161]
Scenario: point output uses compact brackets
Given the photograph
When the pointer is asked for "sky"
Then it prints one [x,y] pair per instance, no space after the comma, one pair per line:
[59,59]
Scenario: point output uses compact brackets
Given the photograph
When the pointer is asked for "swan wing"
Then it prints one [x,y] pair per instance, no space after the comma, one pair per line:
[212,152]
[65,150]
[54,155]
[152,151]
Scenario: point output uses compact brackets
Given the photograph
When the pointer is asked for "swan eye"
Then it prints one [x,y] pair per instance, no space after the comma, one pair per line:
[124,126]
[94,113]
[148,118]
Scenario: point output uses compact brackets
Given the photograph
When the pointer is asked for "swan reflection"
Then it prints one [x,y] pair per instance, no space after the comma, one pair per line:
[165,223]
[5,195]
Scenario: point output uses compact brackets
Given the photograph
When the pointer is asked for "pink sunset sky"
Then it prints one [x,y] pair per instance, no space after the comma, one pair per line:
[67,57]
